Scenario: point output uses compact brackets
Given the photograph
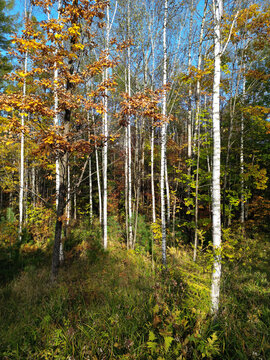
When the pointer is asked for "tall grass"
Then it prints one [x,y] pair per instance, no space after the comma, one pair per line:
[113,305]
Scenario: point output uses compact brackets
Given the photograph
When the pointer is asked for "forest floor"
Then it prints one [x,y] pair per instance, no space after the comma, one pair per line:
[116,305]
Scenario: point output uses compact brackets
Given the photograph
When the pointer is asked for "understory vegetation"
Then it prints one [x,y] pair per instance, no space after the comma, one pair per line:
[120,304]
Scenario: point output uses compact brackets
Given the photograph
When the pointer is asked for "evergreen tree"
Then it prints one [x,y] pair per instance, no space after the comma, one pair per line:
[7,26]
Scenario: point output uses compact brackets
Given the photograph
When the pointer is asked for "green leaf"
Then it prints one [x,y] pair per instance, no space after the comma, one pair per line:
[167,342]
[152,336]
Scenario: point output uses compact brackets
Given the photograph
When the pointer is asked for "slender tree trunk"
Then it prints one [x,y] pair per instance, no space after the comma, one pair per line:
[196,197]
[75,206]
[68,194]
[56,123]
[26,176]
[153,138]
[33,171]
[215,289]
[152,175]
[58,232]
[167,192]
[90,171]
[130,239]
[105,130]
[99,186]
[21,194]
[90,192]
[174,206]
[126,184]
[137,171]
[142,159]
[58,254]
[242,217]
[189,123]
[163,137]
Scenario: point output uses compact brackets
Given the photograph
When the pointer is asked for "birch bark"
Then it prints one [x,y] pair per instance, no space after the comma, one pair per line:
[105,130]
[21,193]
[90,192]
[153,129]
[130,239]
[99,186]
[163,137]
[216,275]
[242,217]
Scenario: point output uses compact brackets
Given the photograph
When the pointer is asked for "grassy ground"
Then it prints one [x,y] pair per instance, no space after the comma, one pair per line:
[245,313]
[113,305]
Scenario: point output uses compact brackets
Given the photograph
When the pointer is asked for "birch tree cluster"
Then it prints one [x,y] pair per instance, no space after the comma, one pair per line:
[137,111]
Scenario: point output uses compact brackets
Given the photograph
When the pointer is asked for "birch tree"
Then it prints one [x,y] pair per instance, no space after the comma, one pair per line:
[217,12]
[163,137]
[129,168]
[242,216]
[105,131]
[21,193]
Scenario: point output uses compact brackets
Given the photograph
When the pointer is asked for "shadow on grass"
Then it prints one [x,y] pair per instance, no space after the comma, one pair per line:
[245,319]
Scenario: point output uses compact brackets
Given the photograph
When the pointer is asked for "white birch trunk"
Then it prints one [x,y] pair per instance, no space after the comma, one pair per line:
[99,186]
[105,131]
[126,183]
[129,145]
[21,193]
[56,123]
[98,176]
[26,176]
[152,176]
[68,194]
[90,171]
[242,217]
[216,276]
[33,185]
[153,136]
[163,138]
[167,192]
[90,192]
[189,124]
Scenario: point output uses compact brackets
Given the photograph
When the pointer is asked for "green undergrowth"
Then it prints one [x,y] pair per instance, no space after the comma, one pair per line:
[116,305]
[244,322]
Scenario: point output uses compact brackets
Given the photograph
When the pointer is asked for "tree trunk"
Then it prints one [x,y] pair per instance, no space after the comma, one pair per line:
[130,239]
[68,194]
[58,232]
[105,130]
[216,275]
[153,138]
[242,217]
[99,186]
[167,192]
[163,137]
[21,193]
[90,192]
[33,186]
[153,175]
